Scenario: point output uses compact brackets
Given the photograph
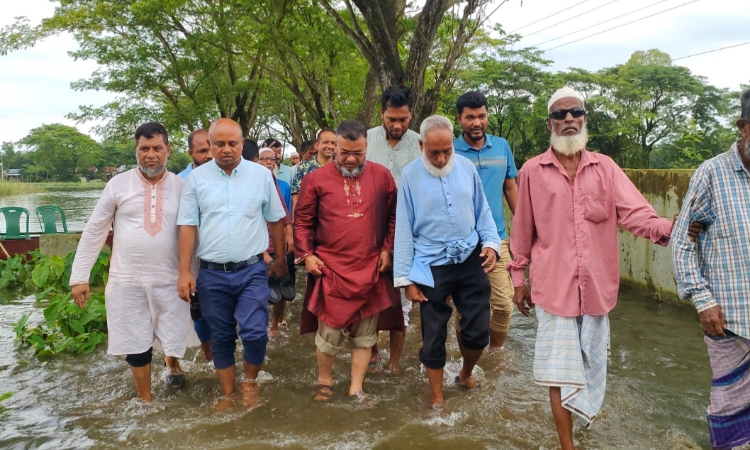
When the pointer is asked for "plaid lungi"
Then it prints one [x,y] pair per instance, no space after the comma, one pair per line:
[729,411]
[571,353]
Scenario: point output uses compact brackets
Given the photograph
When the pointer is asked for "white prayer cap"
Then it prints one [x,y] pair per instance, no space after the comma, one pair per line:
[563,93]
[293,154]
[265,149]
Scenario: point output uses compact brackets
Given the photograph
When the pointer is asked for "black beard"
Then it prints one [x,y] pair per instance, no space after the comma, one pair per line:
[389,135]
[468,136]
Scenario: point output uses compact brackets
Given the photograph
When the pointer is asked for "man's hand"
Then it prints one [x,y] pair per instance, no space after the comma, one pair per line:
[313,265]
[414,294]
[490,259]
[279,268]
[712,321]
[289,240]
[186,285]
[386,262]
[694,229]
[80,293]
[522,297]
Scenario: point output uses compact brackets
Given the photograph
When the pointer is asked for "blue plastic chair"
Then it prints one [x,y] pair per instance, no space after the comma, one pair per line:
[47,216]
[12,216]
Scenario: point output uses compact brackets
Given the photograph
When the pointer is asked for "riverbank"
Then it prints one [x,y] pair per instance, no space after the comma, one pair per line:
[11,188]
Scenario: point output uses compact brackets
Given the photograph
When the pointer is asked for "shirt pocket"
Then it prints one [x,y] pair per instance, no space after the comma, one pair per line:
[596,207]
[251,207]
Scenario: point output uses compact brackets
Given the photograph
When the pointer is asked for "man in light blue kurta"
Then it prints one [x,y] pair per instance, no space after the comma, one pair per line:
[228,203]
[446,243]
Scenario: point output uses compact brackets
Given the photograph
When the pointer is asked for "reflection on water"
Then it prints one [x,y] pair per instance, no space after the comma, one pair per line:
[656,396]
[77,205]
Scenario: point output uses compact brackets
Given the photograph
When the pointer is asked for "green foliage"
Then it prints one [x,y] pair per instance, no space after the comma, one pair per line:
[4,397]
[15,273]
[59,153]
[66,327]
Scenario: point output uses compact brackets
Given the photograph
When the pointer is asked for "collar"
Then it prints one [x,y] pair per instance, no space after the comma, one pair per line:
[464,145]
[145,181]
[236,171]
[736,159]
[587,158]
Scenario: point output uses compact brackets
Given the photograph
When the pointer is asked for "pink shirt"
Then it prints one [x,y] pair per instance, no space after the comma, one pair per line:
[569,230]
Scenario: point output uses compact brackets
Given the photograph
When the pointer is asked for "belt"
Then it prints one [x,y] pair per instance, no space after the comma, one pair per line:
[230,266]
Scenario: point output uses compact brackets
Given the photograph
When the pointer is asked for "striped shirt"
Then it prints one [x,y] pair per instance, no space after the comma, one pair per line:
[716,270]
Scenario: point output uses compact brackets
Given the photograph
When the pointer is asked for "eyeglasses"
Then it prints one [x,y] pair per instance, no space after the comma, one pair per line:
[346,154]
[267,158]
[561,114]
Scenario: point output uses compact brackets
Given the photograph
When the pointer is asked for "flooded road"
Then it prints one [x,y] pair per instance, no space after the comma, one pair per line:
[656,396]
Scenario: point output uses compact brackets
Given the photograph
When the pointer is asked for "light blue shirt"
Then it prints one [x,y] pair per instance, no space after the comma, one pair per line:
[716,270]
[495,164]
[186,172]
[439,221]
[230,211]
[285,173]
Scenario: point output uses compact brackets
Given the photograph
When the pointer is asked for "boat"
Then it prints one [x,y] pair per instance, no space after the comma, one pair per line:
[48,244]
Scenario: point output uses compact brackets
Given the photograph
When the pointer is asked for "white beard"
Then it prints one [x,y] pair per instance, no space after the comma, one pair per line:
[570,145]
[150,173]
[434,171]
[351,173]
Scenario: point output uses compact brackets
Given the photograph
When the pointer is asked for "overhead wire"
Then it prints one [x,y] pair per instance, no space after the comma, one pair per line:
[711,51]
[601,23]
[620,26]
[547,17]
[571,18]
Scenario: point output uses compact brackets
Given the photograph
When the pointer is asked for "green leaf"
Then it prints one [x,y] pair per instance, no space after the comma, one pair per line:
[57,266]
[37,341]
[39,275]
[20,326]
[76,326]
[6,396]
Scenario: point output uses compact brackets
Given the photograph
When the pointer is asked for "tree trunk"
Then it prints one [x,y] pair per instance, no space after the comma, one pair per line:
[370,100]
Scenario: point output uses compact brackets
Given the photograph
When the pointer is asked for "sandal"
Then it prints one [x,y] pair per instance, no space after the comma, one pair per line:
[176,381]
[322,393]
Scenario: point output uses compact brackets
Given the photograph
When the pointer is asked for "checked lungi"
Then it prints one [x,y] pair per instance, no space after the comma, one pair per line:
[729,411]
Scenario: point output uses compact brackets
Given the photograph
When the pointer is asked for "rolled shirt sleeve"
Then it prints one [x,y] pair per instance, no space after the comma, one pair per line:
[404,246]
[189,213]
[696,207]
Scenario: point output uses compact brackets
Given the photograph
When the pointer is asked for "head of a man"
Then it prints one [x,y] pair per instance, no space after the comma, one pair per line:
[472,116]
[199,148]
[294,158]
[152,148]
[326,144]
[567,122]
[267,158]
[351,147]
[743,123]
[436,142]
[308,150]
[396,107]
[274,145]
[225,136]
[250,150]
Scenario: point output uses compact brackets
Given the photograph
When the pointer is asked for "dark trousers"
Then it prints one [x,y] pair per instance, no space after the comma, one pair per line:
[470,288]
[231,298]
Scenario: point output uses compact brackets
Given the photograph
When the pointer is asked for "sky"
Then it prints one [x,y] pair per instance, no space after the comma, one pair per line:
[35,83]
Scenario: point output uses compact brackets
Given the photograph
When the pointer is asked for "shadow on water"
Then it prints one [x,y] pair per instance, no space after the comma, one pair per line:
[656,396]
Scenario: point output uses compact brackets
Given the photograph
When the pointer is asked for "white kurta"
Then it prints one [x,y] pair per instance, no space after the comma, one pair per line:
[143,308]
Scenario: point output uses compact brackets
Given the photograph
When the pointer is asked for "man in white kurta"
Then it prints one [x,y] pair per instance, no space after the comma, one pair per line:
[143,308]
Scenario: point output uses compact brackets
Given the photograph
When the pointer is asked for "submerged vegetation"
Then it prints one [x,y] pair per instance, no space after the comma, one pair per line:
[9,188]
[66,327]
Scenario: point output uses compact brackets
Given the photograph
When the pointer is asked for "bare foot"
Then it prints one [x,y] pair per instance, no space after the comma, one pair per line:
[436,403]
[467,382]
[224,404]
[364,400]
[206,347]
[492,351]
[374,367]
[274,333]
[322,393]
[250,393]
[393,368]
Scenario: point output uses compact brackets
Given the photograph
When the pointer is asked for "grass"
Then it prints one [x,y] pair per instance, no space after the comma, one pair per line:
[11,188]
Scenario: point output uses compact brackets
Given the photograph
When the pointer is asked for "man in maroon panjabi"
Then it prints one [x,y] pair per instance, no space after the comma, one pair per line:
[344,227]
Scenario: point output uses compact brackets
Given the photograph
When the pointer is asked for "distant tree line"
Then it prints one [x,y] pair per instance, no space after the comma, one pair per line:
[285,69]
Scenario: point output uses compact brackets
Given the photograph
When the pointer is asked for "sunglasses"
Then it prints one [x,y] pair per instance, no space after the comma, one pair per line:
[561,114]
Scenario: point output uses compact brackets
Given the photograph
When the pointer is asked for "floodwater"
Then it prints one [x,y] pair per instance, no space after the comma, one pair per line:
[657,390]
[656,396]
[77,205]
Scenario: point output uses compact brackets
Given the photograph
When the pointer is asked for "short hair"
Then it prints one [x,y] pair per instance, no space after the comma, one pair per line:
[249,150]
[351,130]
[329,130]
[305,146]
[192,137]
[396,97]
[471,99]
[271,143]
[434,122]
[745,105]
[151,129]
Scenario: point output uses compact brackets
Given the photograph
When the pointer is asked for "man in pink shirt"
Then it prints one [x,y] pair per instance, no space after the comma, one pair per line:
[570,203]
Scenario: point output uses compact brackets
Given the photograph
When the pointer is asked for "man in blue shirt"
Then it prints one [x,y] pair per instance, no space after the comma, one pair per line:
[446,243]
[231,205]
[493,160]
[199,150]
